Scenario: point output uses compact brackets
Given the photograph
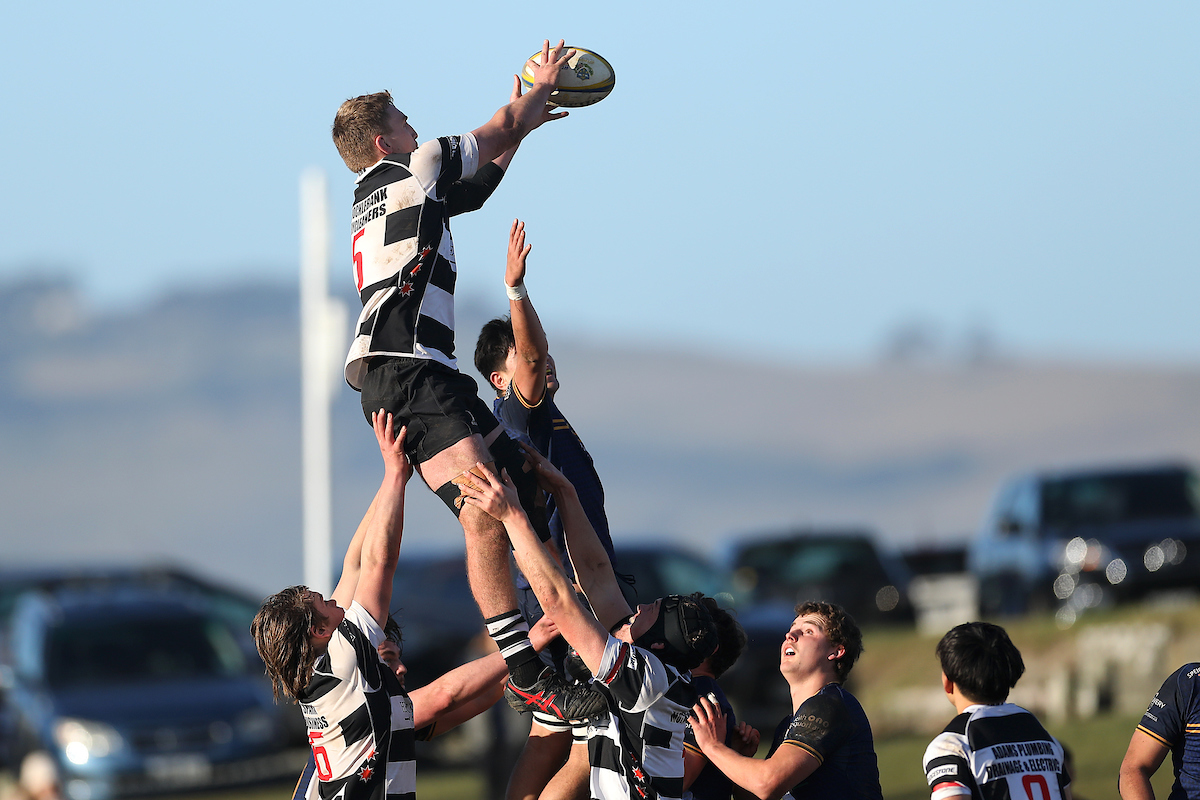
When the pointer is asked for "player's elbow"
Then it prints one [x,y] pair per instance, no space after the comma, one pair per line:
[558,602]
[1133,776]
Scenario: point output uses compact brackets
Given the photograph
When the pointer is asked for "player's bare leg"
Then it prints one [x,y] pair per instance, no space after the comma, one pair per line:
[571,782]
[488,567]
[490,576]
[545,752]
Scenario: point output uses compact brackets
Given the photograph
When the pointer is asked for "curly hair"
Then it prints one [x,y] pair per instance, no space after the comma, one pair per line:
[981,660]
[731,638]
[840,628]
[357,122]
[281,635]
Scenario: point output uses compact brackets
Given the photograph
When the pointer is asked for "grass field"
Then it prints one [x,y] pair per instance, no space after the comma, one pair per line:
[1097,747]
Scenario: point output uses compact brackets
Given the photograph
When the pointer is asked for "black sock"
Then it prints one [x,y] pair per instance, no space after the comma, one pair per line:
[510,632]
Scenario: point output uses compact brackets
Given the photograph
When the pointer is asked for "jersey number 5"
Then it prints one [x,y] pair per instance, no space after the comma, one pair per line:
[324,771]
[358,258]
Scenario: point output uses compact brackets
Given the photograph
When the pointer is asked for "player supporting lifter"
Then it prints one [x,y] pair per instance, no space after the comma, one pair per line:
[636,751]
[322,653]
[512,354]
[402,357]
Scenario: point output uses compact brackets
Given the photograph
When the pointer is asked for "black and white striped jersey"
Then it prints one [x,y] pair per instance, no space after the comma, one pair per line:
[636,752]
[360,724]
[402,250]
[996,752]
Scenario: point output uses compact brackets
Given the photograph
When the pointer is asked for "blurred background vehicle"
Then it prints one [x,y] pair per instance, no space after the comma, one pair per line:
[656,569]
[136,689]
[772,574]
[1082,538]
[943,592]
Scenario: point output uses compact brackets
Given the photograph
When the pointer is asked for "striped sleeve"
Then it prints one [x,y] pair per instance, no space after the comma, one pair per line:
[946,769]
[635,678]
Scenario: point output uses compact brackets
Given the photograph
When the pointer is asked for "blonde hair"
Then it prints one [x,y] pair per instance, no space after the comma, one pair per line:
[357,122]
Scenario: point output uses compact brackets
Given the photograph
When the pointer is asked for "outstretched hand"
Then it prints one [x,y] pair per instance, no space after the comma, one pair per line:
[518,251]
[708,724]
[495,496]
[391,444]
[546,69]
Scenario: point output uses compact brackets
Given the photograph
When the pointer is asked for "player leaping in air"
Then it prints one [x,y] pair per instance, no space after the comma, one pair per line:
[402,357]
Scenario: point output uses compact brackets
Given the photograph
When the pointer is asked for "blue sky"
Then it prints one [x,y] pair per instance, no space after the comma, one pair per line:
[768,180]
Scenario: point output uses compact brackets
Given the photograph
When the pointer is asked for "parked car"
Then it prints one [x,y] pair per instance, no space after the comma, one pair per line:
[136,690]
[235,607]
[655,569]
[773,574]
[1081,538]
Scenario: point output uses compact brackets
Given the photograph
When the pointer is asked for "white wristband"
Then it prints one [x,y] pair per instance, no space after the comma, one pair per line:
[516,292]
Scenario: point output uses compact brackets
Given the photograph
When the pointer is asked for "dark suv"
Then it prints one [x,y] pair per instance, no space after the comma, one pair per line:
[138,690]
[1080,538]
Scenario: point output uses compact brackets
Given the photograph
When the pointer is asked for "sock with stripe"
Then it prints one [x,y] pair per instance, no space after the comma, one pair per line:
[510,632]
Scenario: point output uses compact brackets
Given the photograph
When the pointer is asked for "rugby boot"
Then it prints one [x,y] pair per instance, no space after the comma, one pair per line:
[551,694]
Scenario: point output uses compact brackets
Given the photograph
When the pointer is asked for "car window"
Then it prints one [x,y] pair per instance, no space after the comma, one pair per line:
[1115,498]
[1024,508]
[781,567]
[91,652]
[683,575]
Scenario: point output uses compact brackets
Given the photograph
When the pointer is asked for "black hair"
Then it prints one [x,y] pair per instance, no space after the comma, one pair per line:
[731,638]
[491,348]
[981,661]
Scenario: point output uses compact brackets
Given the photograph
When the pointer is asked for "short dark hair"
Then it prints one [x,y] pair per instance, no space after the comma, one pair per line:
[357,122]
[492,347]
[840,629]
[981,661]
[731,638]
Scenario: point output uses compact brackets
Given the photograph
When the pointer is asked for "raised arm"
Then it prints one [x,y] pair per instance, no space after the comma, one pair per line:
[593,569]
[512,123]
[384,523]
[529,338]
[498,498]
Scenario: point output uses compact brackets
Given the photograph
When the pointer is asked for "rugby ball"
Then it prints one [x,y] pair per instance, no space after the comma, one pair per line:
[587,78]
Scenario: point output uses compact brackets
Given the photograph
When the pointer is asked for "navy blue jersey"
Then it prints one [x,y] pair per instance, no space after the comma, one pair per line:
[711,783]
[832,727]
[1173,719]
[544,427]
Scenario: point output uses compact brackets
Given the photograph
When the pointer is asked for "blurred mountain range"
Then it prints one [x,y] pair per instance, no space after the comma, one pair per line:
[169,433]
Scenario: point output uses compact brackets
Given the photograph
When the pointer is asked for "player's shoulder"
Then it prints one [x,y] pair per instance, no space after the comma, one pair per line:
[1186,677]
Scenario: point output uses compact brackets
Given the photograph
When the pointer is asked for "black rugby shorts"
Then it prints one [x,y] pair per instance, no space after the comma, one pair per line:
[440,406]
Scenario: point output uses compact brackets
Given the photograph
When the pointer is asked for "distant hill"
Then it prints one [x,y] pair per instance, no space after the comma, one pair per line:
[169,433]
